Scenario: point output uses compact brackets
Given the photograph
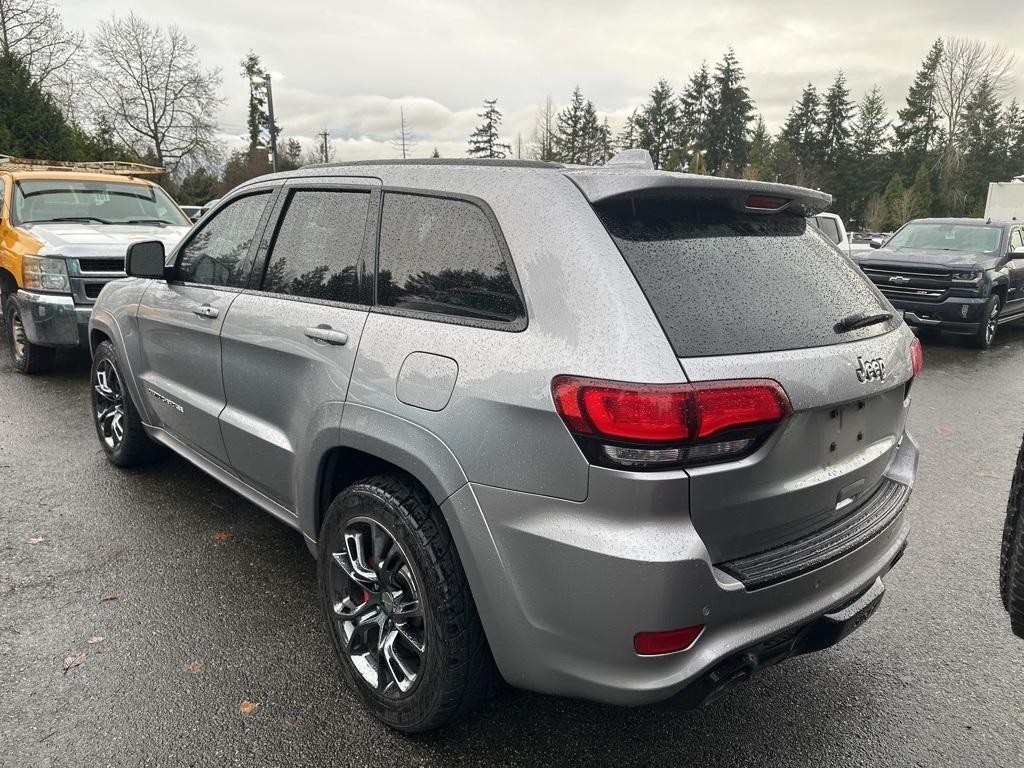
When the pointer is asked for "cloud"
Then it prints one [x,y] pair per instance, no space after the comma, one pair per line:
[349,67]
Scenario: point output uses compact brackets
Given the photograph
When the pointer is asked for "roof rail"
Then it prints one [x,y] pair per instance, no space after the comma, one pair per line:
[113,167]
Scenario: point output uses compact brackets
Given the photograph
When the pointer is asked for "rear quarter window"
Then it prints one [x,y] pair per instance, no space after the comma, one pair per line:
[723,282]
[442,256]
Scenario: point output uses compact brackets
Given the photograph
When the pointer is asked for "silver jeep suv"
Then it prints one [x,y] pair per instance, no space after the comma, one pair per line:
[610,432]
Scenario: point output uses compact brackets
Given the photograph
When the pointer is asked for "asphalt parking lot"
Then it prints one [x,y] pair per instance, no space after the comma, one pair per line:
[212,651]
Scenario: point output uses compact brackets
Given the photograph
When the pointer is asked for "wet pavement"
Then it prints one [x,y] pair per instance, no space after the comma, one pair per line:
[215,612]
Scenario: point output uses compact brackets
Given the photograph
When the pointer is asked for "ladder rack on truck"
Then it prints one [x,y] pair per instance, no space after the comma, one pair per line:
[114,167]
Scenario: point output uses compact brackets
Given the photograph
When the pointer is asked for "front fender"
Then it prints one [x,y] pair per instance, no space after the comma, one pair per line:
[114,315]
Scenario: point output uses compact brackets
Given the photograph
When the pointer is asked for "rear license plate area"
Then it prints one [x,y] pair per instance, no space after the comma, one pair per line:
[845,430]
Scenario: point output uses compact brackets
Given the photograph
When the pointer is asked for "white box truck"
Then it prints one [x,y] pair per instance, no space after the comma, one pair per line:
[1005,200]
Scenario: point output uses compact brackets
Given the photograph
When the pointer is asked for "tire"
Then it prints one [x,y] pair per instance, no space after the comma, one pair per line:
[27,357]
[444,667]
[118,425]
[986,333]
[1011,559]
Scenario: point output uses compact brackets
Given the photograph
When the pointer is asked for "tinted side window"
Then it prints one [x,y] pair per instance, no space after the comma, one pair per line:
[216,255]
[442,256]
[317,249]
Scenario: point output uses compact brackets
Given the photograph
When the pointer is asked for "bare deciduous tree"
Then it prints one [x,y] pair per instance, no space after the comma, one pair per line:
[542,146]
[964,66]
[32,31]
[152,91]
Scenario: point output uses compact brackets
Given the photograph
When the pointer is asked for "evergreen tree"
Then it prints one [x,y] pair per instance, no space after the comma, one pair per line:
[759,156]
[984,136]
[868,159]
[31,124]
[657,123]
[870,130]
[802,131]
[895,199]
[1013,120]
[485,141]
[258,120]
[918,122]
[729,118]
[629,137]
[605,143]
[569,139]
[197,188]
[696,103]
[921,193]
[836,127]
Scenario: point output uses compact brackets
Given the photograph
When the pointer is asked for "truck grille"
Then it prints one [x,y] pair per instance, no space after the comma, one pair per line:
[858,527]
[101,265]
[909,283]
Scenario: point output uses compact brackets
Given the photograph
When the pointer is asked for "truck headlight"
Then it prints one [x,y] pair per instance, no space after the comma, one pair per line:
[41,273]
[967,275]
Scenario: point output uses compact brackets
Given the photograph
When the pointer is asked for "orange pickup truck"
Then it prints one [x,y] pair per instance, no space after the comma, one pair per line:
[63,236]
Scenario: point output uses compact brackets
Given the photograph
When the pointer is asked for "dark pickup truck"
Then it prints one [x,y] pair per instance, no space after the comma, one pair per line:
[962,276]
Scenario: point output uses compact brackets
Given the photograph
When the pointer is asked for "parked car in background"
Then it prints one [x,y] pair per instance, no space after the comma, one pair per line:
[208,206]
[1005,201]
[194,212]
[834,230]
[503,404]
[861,241]
[63,236]
[961,276]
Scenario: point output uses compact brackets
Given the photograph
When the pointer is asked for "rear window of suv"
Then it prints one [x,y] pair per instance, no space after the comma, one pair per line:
[723,282]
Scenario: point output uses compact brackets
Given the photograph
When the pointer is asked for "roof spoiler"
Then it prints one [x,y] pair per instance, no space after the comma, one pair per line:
[621,180]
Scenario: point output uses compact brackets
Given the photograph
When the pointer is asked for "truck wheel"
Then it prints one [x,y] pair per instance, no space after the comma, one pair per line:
[401,617]
[117,421]
[27,357]
[986,332]
[1011,560]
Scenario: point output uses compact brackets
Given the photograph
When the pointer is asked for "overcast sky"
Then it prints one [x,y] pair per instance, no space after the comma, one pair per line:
[348,66]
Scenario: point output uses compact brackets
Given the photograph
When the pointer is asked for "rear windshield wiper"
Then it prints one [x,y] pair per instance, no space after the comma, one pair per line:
[67,218]
[862,320]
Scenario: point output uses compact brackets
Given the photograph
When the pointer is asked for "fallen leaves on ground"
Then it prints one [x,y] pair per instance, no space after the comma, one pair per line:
[95,639]
[33,540]
[222,536]
[247,707]
[73,661]
[5,587]
[294,720]
[195,666]
[106,597]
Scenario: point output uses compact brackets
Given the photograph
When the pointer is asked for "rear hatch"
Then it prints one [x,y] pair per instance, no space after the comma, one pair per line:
[744,293]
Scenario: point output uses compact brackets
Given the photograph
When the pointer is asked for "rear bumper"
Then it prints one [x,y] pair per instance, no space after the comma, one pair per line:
[53,321]
[955,314]
[563,587]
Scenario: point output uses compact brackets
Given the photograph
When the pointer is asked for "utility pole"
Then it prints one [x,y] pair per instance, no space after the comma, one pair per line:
[273,126]
[324,134]
[401,112]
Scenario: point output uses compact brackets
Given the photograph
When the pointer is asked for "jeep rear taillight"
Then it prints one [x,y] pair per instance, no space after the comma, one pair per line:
[654,426]
[916,356]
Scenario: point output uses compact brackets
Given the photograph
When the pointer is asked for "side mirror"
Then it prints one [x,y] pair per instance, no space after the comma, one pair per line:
[876,242]
[146,259]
